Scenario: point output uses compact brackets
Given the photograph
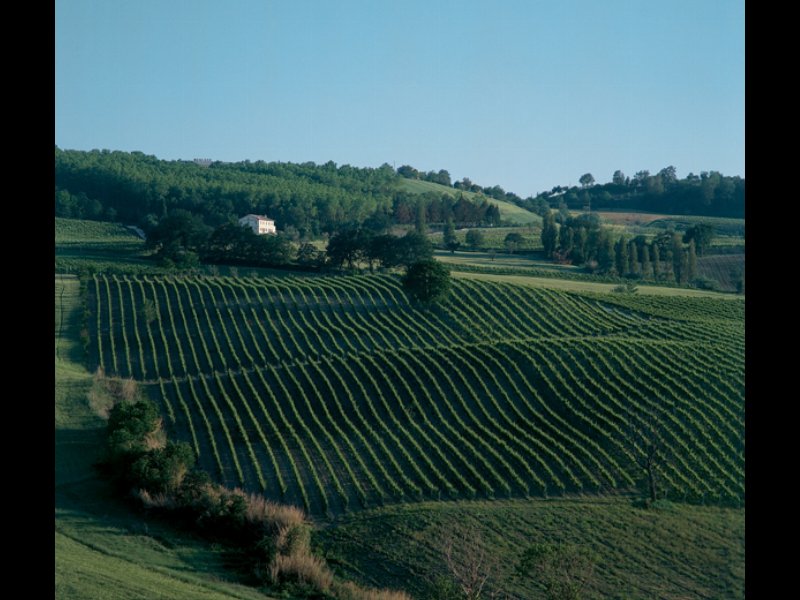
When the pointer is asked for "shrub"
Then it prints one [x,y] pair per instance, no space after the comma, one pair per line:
[303,569]
[626,288]
[163,469]
[350,591]
[704,283]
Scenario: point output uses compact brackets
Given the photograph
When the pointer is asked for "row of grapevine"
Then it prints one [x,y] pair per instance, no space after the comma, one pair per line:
[335,392]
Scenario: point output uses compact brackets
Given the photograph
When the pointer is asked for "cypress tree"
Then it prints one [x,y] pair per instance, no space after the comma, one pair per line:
[621,256]
[656,260]
[633,258]
[645,261]
[691,267]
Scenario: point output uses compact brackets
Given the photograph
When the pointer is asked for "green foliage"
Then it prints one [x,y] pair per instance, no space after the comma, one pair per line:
[711,194]
[475,239]
[625,288]
[163,469]
[549,234]
[427,281]
[450,240]
[702,234]
[621,256]
[513,241]
[443,588]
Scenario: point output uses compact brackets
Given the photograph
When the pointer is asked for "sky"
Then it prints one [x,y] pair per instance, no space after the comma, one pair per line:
[525,94]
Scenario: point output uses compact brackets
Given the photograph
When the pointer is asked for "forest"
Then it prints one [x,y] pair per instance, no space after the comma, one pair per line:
[306,200]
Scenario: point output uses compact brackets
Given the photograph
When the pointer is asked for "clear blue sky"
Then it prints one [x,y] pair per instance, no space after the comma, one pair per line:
[527,94]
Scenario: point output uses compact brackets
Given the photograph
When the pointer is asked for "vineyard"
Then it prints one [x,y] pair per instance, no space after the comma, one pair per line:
[335,393]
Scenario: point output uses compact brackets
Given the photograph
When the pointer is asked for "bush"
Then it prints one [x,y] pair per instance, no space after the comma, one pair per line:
[704,283]
[163,469]
[427,281]
[351,591]
[304,569]
[626,288]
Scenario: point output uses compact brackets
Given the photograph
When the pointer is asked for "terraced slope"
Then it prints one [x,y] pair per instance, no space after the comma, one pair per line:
[335,393]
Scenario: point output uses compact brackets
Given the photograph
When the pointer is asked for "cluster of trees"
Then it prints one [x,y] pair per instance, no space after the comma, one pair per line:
[581,240]
[182,239]
[709,193]
[354,245]
[439,208]
[441,177]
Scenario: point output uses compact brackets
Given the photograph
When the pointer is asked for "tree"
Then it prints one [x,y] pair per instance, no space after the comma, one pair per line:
[307,254]
[450,240]
[646,445]
[678,259]
[645,256]
[656,260]
[408,172]
[420,224]
[565,570]
[468,562]
[633,258]
[178,237]
[549,233]
[618,178]
[668,175]
[586,180]
[346,246]
[640,177]
[691,262]
[475,238]
[413,247]
[513,241]
[702,234]
[427,281]
[605,253]
[621,256]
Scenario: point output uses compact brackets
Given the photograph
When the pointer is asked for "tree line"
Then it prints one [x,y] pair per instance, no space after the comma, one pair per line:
[709,193]
[669,256]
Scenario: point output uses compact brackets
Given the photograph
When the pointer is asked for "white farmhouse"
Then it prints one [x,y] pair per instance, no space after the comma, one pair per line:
[258,223]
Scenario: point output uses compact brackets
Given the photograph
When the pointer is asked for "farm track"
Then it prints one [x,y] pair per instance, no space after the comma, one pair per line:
[336,393]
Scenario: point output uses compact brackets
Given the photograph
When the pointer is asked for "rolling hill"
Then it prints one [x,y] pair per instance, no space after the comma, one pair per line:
[335,393]
[508,211]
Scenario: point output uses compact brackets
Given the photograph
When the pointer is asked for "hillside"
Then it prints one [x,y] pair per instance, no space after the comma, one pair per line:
[305,200]
[672,553]
[509,212]
[334,393]
[102,548]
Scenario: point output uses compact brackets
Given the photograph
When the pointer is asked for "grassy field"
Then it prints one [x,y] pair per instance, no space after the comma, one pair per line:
[673,553]
[508,211]
[98,246]
[531,270]
[555,283]
[494,237]
[102,549]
